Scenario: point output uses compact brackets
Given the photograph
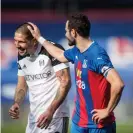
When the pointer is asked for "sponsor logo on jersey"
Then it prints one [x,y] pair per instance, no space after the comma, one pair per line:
[80,84]
[78,72]
[38,76]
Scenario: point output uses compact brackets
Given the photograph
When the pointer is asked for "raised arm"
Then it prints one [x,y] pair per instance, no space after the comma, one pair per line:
[20,93]
[53,50]
[65,84]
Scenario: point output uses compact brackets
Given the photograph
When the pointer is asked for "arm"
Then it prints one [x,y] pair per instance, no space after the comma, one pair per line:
[20,92]
[53,50]
[65,84]
[117,86]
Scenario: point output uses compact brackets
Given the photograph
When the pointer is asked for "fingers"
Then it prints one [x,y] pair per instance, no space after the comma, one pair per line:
[95,116]
[96,119]
[31,30]
[14,112]
[94,111]
[15,117]
[32,24]
[41,122]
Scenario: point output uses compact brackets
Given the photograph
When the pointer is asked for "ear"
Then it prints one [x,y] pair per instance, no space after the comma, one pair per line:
[73,33]
[34,41]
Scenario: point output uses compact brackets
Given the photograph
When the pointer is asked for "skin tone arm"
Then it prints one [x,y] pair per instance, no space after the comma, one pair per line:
[20,93]
[53,50]
[117,86]
[65,84]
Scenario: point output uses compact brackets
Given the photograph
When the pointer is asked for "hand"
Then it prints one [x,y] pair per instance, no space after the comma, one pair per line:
[45,119]
[99,114]
[35,32]
[14,111]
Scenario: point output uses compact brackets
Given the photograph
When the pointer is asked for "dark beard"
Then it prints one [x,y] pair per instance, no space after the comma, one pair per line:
[71,43]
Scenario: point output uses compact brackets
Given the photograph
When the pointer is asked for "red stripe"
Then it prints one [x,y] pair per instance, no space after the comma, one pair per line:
[49,15]
[100,92]
[83,121]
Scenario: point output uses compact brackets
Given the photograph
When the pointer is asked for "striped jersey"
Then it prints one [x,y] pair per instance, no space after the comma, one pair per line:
[39,71]
[92,88]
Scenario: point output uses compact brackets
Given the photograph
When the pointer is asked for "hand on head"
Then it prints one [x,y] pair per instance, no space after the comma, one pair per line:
[35,31]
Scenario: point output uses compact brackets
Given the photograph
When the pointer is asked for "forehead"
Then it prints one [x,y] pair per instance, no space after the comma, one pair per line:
[19,36]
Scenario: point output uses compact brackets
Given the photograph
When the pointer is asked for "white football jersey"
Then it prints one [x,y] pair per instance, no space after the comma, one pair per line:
[39,72]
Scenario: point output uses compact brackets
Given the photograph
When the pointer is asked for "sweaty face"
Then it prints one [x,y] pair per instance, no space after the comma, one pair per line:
[71,40]
[21,43]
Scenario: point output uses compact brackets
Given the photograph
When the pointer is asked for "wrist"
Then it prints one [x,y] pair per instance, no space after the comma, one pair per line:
[41,40]
[52,110]
[16,103]
[108,110]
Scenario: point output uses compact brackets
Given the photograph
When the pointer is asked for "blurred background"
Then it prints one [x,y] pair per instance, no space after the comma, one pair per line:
[112,28]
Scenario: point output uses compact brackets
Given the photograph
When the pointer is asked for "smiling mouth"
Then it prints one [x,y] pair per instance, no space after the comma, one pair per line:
[21,49]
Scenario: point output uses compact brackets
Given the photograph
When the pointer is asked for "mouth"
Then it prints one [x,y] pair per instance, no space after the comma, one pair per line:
[21,50]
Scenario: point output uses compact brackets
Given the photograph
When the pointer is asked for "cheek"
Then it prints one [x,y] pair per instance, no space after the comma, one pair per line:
[23,45]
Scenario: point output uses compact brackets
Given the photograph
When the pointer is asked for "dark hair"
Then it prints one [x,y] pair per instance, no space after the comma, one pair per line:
[80,23]
[24,30]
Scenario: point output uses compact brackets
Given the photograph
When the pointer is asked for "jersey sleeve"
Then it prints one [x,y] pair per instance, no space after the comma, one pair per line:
[57,65]
[103,63]
[20,71]
[70,55]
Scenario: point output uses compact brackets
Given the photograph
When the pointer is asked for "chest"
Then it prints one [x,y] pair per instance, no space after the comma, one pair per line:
[35,65]
[82,65]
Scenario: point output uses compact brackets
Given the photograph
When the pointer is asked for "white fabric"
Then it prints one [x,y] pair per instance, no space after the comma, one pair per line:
[43,85]
[56,125]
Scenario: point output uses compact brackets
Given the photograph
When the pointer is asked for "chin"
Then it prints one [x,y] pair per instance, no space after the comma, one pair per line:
[72,43]
[22,53]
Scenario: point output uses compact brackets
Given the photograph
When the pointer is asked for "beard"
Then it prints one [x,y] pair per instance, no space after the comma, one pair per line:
[71,43]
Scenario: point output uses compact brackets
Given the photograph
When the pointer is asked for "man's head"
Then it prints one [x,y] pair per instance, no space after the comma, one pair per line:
[77,24]
[24,41]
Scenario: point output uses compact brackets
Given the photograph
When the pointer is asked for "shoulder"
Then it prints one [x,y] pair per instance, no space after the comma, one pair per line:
[57,45]
[45,52]
[98,50]
[22,57]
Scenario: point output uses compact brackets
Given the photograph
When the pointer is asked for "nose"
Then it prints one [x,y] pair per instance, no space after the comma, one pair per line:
[17,44]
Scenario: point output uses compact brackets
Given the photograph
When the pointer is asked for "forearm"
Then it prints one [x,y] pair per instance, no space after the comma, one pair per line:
[19,95]
[60,97]
[53,50]
[116,92]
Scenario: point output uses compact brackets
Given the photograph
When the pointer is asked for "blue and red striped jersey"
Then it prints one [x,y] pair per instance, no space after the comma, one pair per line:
[92,88]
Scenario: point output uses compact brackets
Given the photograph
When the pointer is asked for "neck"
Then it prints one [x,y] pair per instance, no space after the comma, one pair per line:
[83,43]
[33,50]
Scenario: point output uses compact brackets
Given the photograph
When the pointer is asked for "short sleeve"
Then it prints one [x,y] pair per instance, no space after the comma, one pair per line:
[103,63]
[20,71]
[70,55]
